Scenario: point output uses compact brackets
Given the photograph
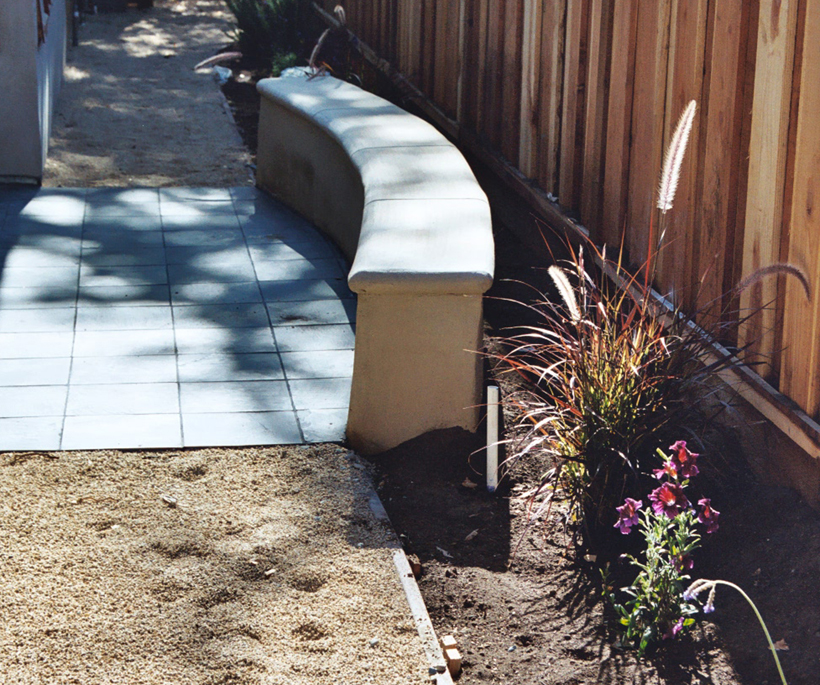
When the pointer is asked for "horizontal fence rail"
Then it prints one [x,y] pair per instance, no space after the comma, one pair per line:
[582,97]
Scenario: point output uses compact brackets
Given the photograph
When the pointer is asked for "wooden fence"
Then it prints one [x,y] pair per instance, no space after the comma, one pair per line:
[582,95]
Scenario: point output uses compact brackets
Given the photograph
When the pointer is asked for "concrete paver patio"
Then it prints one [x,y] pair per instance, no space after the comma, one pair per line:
[172,317]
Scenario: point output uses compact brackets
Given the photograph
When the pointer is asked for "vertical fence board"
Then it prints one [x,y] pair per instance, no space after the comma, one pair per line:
[600,31]
[651,53]
[550,89]
[416,33]
[428,44]
[462,62]
[767,171]
[530,76]
[480,70]
[800,373]
[511,81]
[717,202]
[569,111]
[687,44]
[493,75]
[619,120]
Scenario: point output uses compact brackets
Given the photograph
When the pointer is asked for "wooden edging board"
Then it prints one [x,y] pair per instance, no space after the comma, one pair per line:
[421,619]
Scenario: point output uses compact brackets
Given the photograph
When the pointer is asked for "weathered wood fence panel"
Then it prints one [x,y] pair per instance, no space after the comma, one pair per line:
[582,96]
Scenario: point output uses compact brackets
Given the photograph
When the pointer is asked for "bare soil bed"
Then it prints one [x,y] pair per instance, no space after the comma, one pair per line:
[252,566]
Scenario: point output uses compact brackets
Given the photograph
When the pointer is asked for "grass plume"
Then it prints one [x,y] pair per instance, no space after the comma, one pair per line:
[670,174]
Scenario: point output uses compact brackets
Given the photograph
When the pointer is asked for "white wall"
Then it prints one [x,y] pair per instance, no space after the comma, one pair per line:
[30,79]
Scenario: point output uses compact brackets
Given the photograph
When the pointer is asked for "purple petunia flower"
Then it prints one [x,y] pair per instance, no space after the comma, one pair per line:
[708,516]
[628,515]
[674,630]
[684,460]
[668,499]
[668,469]
[684,562]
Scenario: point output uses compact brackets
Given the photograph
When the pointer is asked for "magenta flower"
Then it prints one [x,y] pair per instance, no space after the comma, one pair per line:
[667,470]
[674,630]
[684,562]
[668,499]
[708,516]
[628,515]
[684,460]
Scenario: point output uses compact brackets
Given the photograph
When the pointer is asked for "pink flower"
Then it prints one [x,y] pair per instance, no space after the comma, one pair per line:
[628,515]
[708,516]
[667,470]
[684,562]
[674,630]
[668,499]
[684,460]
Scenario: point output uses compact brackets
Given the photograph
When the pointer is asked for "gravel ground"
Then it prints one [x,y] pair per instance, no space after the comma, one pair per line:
[133,112]
[254,566]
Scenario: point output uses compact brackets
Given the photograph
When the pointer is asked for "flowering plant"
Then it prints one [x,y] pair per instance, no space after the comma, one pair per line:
[657,605]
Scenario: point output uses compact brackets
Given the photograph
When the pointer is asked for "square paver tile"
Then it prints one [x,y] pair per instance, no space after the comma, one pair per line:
[245,428]
[40,320]
[224,340]
[313,249]
[35,400]
[318,364]
[303,338]
[122,399]
[231,316]
[31,433]
[230,270]
[95,212]
[211,238]
[184,194]
[229,367]
[264,231]
[206,256]
[105,228]
[132,295]
[136,255]
[123,343]
[36,297]
[35,345]
[121,240]
[326,393]
[62,245]
[34,372]
[160,368]
[295,269]
[123,275]
[195,208]
[234,396]
[216,293]
[312,312]
[129,431]
[123,318]
[27,257]
[40,277]
[295,291]
[60,209]
[122,197]
[323,425]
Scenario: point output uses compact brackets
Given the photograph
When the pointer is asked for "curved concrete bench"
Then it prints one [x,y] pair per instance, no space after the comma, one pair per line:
[403,205]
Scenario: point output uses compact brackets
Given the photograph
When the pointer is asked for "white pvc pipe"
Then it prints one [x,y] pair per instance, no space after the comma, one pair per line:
[492,437]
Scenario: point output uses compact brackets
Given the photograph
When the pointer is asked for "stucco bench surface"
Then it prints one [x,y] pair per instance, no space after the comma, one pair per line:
[404,206]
